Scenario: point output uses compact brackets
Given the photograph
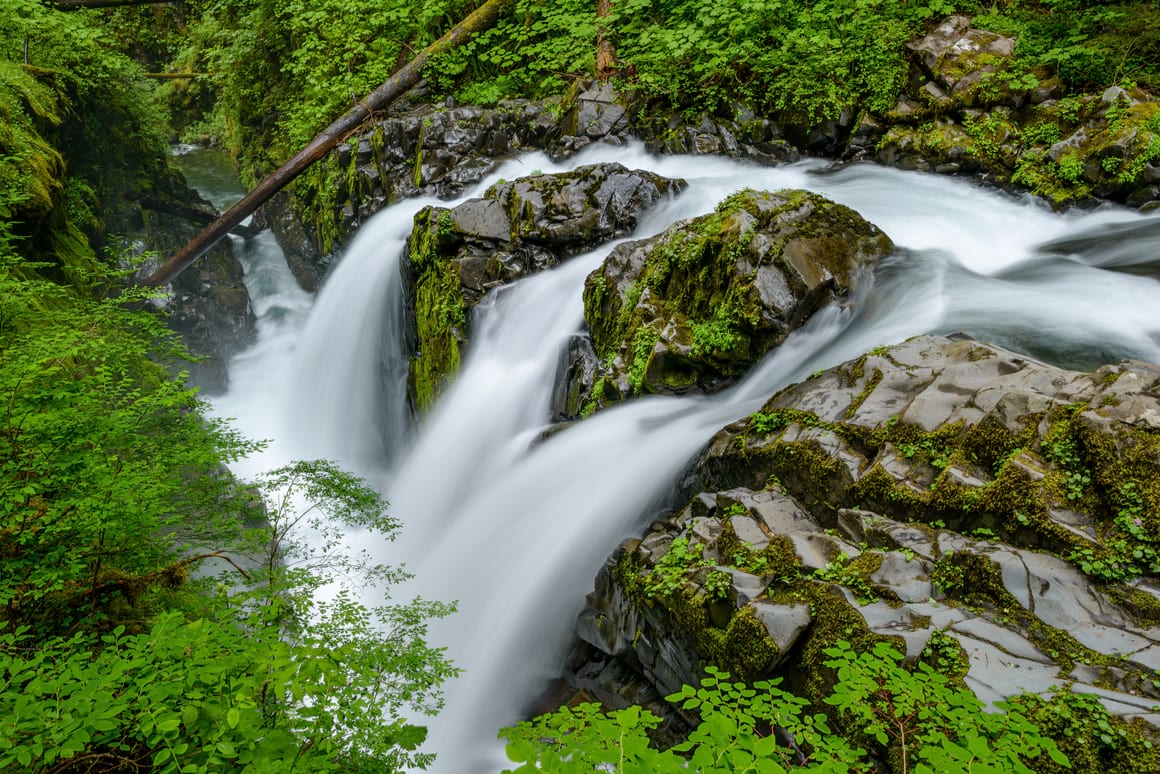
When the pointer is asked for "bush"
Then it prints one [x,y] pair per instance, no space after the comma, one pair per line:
[919,720]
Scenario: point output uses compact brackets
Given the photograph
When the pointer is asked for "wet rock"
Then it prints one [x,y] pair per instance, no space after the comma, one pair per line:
[575,378]
[694,307]
[981,548]
[959,58]
[207,304]
[596,113]
[209,307]
[517,228]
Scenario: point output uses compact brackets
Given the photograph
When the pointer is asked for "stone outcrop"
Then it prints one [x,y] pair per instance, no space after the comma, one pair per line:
[208,304]
[515,229]
[968,504]
[967,108]
[970,109]
[693,308]
[210,308]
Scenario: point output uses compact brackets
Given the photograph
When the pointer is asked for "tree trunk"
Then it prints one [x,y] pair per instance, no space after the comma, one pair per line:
[605,51]
[481,19]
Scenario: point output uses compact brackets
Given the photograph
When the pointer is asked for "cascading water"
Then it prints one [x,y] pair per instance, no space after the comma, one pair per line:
[514,528]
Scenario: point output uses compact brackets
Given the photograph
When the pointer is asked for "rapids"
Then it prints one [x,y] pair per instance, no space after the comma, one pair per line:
[515,528]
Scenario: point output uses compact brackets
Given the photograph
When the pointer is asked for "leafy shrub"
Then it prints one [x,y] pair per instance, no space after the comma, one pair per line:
[917,718]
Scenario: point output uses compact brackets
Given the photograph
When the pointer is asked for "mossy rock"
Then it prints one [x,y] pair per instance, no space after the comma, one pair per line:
[517,228]
[692,309]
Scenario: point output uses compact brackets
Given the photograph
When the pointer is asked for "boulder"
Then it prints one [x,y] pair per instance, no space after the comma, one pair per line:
[985,512]
[963,63]
[691,309]
[515,229]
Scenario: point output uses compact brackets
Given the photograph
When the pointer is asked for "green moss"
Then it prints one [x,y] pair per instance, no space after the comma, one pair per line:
[946,655]
[700,278]
[861,397]
[832,619]
[1141,605]
[1094,740]
[440,321]
[743,648]
[642,346]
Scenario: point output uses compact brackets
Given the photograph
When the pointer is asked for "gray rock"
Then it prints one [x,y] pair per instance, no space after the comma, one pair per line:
[958,57]
[790,254]
[1026,620]
[517,228]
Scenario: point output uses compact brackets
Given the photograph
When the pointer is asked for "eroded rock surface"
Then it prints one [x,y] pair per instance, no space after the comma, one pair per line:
[693,308]
[515,229]
[964,502]
[208,304]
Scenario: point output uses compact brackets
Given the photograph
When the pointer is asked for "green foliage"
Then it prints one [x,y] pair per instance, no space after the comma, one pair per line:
[809,60]
[91,417]
[920,716]
[840,571]
[273,679]
[1070,169]
[79,128]
[918,719]
[671,572]
[933,450]
[1092,44]
[283,69]
[1093,739]
[718,335]
[1128,550]
[112,490]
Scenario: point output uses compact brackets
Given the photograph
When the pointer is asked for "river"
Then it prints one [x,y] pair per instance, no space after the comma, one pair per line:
[515,530]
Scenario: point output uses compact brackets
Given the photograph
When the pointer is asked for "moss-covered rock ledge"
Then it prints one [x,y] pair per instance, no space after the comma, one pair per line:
[454,256]
[995,516]
[693,308]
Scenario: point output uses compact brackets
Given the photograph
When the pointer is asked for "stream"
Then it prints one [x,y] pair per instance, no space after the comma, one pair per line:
[514,528]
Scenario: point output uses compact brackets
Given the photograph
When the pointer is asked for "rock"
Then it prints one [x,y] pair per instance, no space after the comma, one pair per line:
[595,113]
[209,307]
[917,495]
[960,59]
[515,229]
[307,263]
[691,309]
[208,304]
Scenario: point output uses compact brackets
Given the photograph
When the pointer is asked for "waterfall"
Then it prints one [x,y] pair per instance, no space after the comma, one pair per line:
[514,526]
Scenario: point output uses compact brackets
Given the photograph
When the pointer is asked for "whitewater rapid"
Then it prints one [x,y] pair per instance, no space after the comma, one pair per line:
[515,527]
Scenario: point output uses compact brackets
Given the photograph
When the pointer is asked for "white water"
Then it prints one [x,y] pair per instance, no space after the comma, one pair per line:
[516,530]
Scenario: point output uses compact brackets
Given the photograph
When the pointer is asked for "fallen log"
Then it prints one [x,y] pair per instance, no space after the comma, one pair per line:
[189,212]
[406,77]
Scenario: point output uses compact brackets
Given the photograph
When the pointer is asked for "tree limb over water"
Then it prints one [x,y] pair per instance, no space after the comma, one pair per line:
[479,20]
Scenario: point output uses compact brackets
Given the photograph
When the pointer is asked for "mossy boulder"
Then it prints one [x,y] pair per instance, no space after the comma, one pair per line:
[692,309]
[517,228]
[987,514]
[962,63]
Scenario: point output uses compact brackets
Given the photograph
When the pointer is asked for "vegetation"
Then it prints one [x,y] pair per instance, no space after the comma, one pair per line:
[119,650]
[918,719]
[112,495]
[120,647]
[79,130]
